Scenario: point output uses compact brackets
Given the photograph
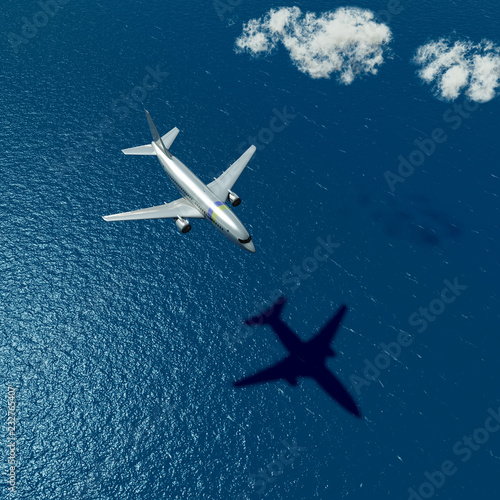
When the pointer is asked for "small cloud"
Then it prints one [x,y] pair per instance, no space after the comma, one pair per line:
[346,41]
[460,67]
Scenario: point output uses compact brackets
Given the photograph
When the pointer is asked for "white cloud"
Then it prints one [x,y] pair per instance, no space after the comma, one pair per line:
[347,41]
[460,67]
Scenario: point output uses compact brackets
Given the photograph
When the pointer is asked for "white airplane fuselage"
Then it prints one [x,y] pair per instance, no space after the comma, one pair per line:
[204,200]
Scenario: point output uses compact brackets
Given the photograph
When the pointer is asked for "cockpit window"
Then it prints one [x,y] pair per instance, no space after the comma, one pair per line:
[248,240]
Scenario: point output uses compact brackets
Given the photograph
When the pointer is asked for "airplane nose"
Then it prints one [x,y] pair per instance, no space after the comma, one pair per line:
[250,246]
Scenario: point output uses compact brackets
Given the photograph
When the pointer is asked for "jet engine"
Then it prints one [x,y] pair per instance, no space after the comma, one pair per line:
[233,198]
[183,225]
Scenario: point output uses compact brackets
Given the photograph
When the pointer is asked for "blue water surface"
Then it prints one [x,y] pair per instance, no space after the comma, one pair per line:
[122,340]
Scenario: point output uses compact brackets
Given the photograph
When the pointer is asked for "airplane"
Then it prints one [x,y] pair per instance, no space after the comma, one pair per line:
[199,201]
[306,359]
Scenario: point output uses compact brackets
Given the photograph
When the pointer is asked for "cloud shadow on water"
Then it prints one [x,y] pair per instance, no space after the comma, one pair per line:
[414,219]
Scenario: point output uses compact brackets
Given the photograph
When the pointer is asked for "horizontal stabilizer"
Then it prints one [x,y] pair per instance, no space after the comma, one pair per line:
[169,137]
[148,149]
[270,315]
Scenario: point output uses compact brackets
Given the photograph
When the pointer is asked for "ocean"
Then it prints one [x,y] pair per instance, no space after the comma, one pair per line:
[120,341]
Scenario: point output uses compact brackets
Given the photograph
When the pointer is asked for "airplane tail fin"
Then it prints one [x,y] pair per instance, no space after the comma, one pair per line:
[156,136]
[163,142]
[269,315]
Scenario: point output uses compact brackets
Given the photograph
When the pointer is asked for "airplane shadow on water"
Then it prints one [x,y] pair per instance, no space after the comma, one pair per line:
[306,359]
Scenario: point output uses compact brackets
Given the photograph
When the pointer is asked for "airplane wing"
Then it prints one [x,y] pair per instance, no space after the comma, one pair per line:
[288,369]
[326,335]
[332,386]
[226,181]
[177,208]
